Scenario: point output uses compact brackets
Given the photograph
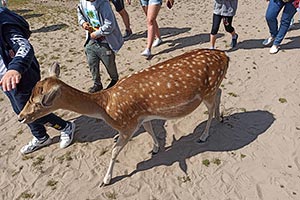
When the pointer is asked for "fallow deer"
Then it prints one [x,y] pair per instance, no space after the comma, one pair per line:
[170,89]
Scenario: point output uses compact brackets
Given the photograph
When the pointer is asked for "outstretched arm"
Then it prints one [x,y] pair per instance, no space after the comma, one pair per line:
[21,53]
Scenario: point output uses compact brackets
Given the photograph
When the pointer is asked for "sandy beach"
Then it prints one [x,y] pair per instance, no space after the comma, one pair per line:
[253,155]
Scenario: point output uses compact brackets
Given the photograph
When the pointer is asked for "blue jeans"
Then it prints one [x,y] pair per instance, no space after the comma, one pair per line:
[273,10]
[18,100]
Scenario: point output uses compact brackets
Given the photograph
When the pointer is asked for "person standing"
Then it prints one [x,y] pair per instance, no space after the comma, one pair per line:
[151,9]
[277,34]
[223,10]
[19,72]
[120,8]
[103,39]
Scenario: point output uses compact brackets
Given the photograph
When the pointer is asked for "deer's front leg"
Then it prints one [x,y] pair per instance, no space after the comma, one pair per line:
[123,139]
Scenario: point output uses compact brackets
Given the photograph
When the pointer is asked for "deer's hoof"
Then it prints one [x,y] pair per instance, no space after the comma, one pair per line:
[102,184]
[116,138]
[153,152]
[201,141]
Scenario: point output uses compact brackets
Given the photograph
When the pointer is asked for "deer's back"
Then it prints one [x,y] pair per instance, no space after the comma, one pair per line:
[169,89]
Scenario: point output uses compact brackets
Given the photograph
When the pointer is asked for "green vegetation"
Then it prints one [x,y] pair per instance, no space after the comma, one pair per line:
[52,183]
[39,160]
[111,195]
[206,162]
[66,157]
[184,179]
[282,100]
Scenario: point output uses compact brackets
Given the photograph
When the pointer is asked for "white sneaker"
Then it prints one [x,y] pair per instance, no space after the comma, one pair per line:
[67,135]
[268,41]
[157,42]
[274,49]
[146,53]
[35,144]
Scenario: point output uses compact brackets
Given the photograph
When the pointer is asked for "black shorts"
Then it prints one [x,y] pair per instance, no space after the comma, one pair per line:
[119,4]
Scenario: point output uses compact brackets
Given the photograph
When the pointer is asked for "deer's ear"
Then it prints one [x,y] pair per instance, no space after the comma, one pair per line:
[54,69]
[48,98]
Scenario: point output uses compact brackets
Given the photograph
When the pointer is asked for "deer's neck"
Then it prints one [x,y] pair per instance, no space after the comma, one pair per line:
[84,103]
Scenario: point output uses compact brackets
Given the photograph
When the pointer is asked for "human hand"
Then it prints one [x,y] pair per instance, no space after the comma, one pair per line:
[4,3]
[88,27]
[10,80]
[93,35]
[128,2]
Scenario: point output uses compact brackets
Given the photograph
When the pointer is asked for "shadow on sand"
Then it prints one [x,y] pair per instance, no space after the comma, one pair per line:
[237,131]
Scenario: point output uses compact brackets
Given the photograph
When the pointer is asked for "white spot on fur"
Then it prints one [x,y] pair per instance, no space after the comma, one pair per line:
[168,85]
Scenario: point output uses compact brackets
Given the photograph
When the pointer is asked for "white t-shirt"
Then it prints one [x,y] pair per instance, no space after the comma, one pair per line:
[2,68]
[92,13]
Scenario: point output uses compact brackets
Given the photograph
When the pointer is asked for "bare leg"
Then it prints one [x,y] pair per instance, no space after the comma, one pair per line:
[153,30]
[213,39]
[148,127]
[125,17]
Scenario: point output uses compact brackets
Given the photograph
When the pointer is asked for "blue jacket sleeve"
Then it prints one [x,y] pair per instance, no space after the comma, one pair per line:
[107,19]
[23,50]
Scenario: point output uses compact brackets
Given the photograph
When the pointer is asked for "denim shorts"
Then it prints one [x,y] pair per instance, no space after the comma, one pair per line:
[150,2]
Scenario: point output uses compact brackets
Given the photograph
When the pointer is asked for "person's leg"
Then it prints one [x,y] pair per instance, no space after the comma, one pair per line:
[287,15]
[120,8]
[157,35]
[227,21]
[214,30]
[146,52]
[125,18]
[272,12]
[108,59]
[153,30]
[93,61]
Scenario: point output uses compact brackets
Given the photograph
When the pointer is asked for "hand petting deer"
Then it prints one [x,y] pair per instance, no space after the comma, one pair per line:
[170,89]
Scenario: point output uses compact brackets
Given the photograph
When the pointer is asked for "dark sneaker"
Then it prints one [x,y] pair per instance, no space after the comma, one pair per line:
[35,144]
[127,34]
[67,135]
[112,83]
[234,40]
[95,88]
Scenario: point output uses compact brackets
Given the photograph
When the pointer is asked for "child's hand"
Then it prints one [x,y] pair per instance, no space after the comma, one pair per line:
[88,27]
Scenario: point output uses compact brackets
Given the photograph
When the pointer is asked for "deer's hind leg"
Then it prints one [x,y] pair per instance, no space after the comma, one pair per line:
[213,106]
[217,105]
[148,127]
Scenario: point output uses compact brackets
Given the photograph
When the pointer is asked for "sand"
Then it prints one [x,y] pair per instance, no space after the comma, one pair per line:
[253,154]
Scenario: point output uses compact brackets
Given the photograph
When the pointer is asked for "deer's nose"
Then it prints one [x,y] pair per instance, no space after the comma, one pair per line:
[21,119]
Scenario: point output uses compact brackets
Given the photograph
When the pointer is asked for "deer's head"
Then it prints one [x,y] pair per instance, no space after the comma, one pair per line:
[43,97]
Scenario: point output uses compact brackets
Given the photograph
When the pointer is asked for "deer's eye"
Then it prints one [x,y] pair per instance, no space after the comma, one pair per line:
[38,104]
